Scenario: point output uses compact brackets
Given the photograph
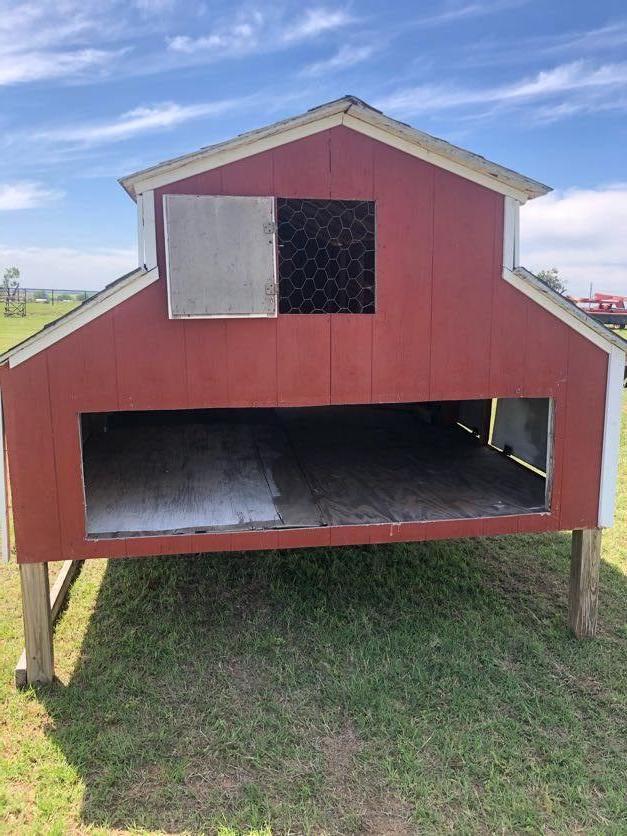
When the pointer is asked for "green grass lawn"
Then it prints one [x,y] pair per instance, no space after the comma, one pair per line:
[14,329]
[428,688]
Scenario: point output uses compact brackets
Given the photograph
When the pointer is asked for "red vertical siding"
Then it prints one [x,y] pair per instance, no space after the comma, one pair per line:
[464,272]
[546,353]
[206,355]
[302,168]
[351,178]
[351,358]
[83,378]
[509,339]
[583,433]
[304,375]
[150,352]
[509,324]
[251,362]
[31,455]
[250,176]
[402,329]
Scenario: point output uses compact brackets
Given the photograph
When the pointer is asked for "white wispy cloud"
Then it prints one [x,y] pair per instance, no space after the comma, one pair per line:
[256,31]
[140,120]
[66,267]
[53,40]
[314,23]
[25,195]
[605,43]
[346,56]
[582,233]
[564,80]
[454,12]
[599,39]
[37,66]
[154,6]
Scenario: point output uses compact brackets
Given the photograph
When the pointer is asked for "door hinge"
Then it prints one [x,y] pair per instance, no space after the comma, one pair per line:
[269,227]
[271,289]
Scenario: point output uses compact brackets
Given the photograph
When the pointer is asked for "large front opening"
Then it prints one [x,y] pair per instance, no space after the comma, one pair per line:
[188,471]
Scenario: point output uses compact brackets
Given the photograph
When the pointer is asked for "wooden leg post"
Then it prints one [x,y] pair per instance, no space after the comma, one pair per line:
[584,582]
[37,623]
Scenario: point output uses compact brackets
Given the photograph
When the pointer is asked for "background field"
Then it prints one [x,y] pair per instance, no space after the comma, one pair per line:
[14,329]
[387,690]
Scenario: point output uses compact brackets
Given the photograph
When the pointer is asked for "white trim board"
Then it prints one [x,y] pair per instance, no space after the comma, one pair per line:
[140,231]
[150,231]
[611,437]
[89,310]
[358,116]
[4,498]
[146,231]
[511,232]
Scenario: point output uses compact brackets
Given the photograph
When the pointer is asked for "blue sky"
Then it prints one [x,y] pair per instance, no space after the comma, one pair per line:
[91,90]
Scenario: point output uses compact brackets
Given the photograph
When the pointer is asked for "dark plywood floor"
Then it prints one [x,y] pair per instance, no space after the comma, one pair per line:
[223,470]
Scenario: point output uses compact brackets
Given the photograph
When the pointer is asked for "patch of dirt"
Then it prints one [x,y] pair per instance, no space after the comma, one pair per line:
[393,819]
[200,783]
[339,752]
[243,676]
[381,813]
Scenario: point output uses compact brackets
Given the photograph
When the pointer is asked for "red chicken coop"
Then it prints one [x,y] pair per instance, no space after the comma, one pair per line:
[328,340]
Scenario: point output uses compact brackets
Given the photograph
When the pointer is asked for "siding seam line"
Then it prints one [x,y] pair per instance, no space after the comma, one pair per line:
[431,280]
[564,438]
[54,457]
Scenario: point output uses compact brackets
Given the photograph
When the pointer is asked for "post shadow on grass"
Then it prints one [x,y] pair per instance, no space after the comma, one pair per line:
[207,685]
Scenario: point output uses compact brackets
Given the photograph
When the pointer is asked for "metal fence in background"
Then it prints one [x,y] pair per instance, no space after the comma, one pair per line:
[52,296]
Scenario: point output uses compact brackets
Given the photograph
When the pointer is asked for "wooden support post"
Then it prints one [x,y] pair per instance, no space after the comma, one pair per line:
[58,594]
[37,623]
[584,582]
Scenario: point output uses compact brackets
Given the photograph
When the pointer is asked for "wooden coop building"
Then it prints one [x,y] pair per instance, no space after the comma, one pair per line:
[328,340]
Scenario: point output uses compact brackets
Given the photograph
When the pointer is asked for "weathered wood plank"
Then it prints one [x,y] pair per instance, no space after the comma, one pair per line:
[58,594]
[583,598]
[37,617]
[263,469]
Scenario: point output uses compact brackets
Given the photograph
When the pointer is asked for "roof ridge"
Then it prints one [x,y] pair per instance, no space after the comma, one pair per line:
[368,119]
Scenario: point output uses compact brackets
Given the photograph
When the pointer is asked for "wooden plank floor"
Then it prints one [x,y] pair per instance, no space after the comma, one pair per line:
[233,470]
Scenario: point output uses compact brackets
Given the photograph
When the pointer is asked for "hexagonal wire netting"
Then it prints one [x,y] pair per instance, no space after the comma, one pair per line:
[326,256]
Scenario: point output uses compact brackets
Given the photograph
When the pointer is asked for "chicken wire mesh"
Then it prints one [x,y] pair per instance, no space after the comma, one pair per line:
[326,256]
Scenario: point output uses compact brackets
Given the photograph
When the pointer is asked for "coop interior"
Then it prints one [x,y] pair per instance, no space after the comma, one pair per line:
[189,471]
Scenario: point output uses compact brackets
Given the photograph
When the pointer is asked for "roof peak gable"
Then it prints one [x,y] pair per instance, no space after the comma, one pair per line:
[353,113]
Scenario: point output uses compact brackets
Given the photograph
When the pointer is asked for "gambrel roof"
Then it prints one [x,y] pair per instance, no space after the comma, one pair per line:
[357,115]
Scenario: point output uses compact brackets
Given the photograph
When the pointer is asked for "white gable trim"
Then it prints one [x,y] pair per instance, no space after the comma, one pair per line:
[172,172]
[357,116]
[88,311]
[532,287]
[4,505]
[401,143]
